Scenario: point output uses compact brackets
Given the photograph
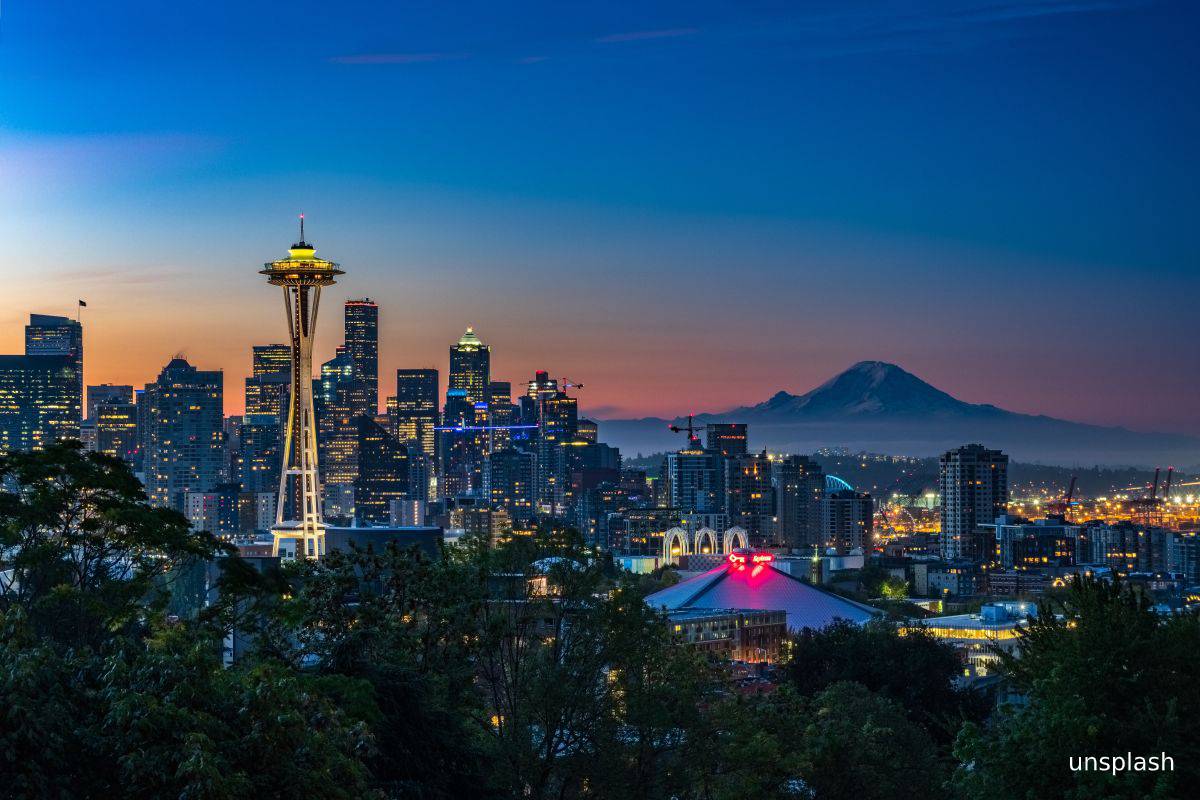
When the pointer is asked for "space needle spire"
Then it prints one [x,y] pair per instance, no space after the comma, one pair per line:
[298,510]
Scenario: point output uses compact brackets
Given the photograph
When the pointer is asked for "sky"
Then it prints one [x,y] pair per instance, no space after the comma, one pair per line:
[682,205]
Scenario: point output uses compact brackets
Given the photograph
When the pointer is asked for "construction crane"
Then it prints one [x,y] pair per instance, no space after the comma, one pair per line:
[567,383]
[692,428]
[1064,506]
[1146,509]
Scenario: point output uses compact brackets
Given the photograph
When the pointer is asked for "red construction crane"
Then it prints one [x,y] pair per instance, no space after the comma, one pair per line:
[691,429]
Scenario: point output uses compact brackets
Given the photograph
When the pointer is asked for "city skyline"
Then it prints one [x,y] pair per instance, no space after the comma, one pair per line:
[938,195]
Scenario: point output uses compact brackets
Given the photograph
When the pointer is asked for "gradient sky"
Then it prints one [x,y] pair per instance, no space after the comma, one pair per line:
[683,205]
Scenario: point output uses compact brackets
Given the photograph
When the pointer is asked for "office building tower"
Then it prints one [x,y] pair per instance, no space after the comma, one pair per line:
[260,458]
[799,486]
[541,387]
[106,393]
[362,345]
[270,379]
[500,414]
[974,487]
[556,432]
[268,394]
[39,401]
[301,276]
[383,473]
[117,430]
[185,445]
[470,369]
[727,438]
[413,411]
[48,335]
[693,481]
[847,522]
[342,400]
[750,497]
[508,480]
[270,359]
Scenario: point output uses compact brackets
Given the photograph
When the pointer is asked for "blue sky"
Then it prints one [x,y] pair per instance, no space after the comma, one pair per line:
[683,205]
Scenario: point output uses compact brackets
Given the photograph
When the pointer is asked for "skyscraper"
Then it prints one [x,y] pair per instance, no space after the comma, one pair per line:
[799,486]
[727,438]
[383,473]
[48,335]
[270,359]
[750,498]
[470,369]
[39,401]
[301,275]
[362,345]
[343,398]
[270,379]
[259,461]
[106,393]
[414,410]
[847,521]
[508,482]
[693,481]
[974,486]
[117,430]
[186,439]
[556,430]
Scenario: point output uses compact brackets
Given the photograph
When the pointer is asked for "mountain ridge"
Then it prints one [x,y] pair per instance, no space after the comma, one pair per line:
[880,406]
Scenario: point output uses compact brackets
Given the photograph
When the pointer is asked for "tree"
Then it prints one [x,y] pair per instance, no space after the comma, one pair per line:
[844,742]
[915,670]
[82,550]
[1109,676]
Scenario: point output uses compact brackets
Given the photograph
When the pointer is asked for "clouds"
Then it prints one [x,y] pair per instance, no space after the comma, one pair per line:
[637,36]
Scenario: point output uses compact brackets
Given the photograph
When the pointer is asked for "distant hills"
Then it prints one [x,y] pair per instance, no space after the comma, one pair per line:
[879,407]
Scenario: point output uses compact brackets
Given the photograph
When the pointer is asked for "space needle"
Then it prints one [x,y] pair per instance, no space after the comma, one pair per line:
[302,275]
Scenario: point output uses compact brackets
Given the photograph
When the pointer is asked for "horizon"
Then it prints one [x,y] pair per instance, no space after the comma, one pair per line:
[685,208]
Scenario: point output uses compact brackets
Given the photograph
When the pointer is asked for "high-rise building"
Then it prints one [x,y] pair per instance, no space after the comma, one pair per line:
[270,359]
[301,276]
[185,448]
[556,432]
[974,486]
[270,379]
[693,481]
[414,409]
[727,438]
[117,430]
[847,521]
[383,473]
[260,458]
[106,393]
[470,369]
[48,335]
[362,345]
[799,486]
[750,497]
[508,482]
[39,401]
[342,400]
[500,414]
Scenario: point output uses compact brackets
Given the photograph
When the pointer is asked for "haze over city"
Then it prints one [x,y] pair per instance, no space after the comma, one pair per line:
[685,207]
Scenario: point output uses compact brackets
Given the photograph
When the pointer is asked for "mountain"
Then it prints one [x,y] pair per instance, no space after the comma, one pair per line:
[879,407]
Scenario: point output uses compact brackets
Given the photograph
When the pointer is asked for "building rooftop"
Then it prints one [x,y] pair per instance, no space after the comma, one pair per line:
[748,581]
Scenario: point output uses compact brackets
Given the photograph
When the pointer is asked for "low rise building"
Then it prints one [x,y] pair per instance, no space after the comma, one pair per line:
[746,635]
[976,637]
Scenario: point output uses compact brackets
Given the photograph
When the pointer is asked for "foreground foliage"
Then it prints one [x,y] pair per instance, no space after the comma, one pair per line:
[526,670]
